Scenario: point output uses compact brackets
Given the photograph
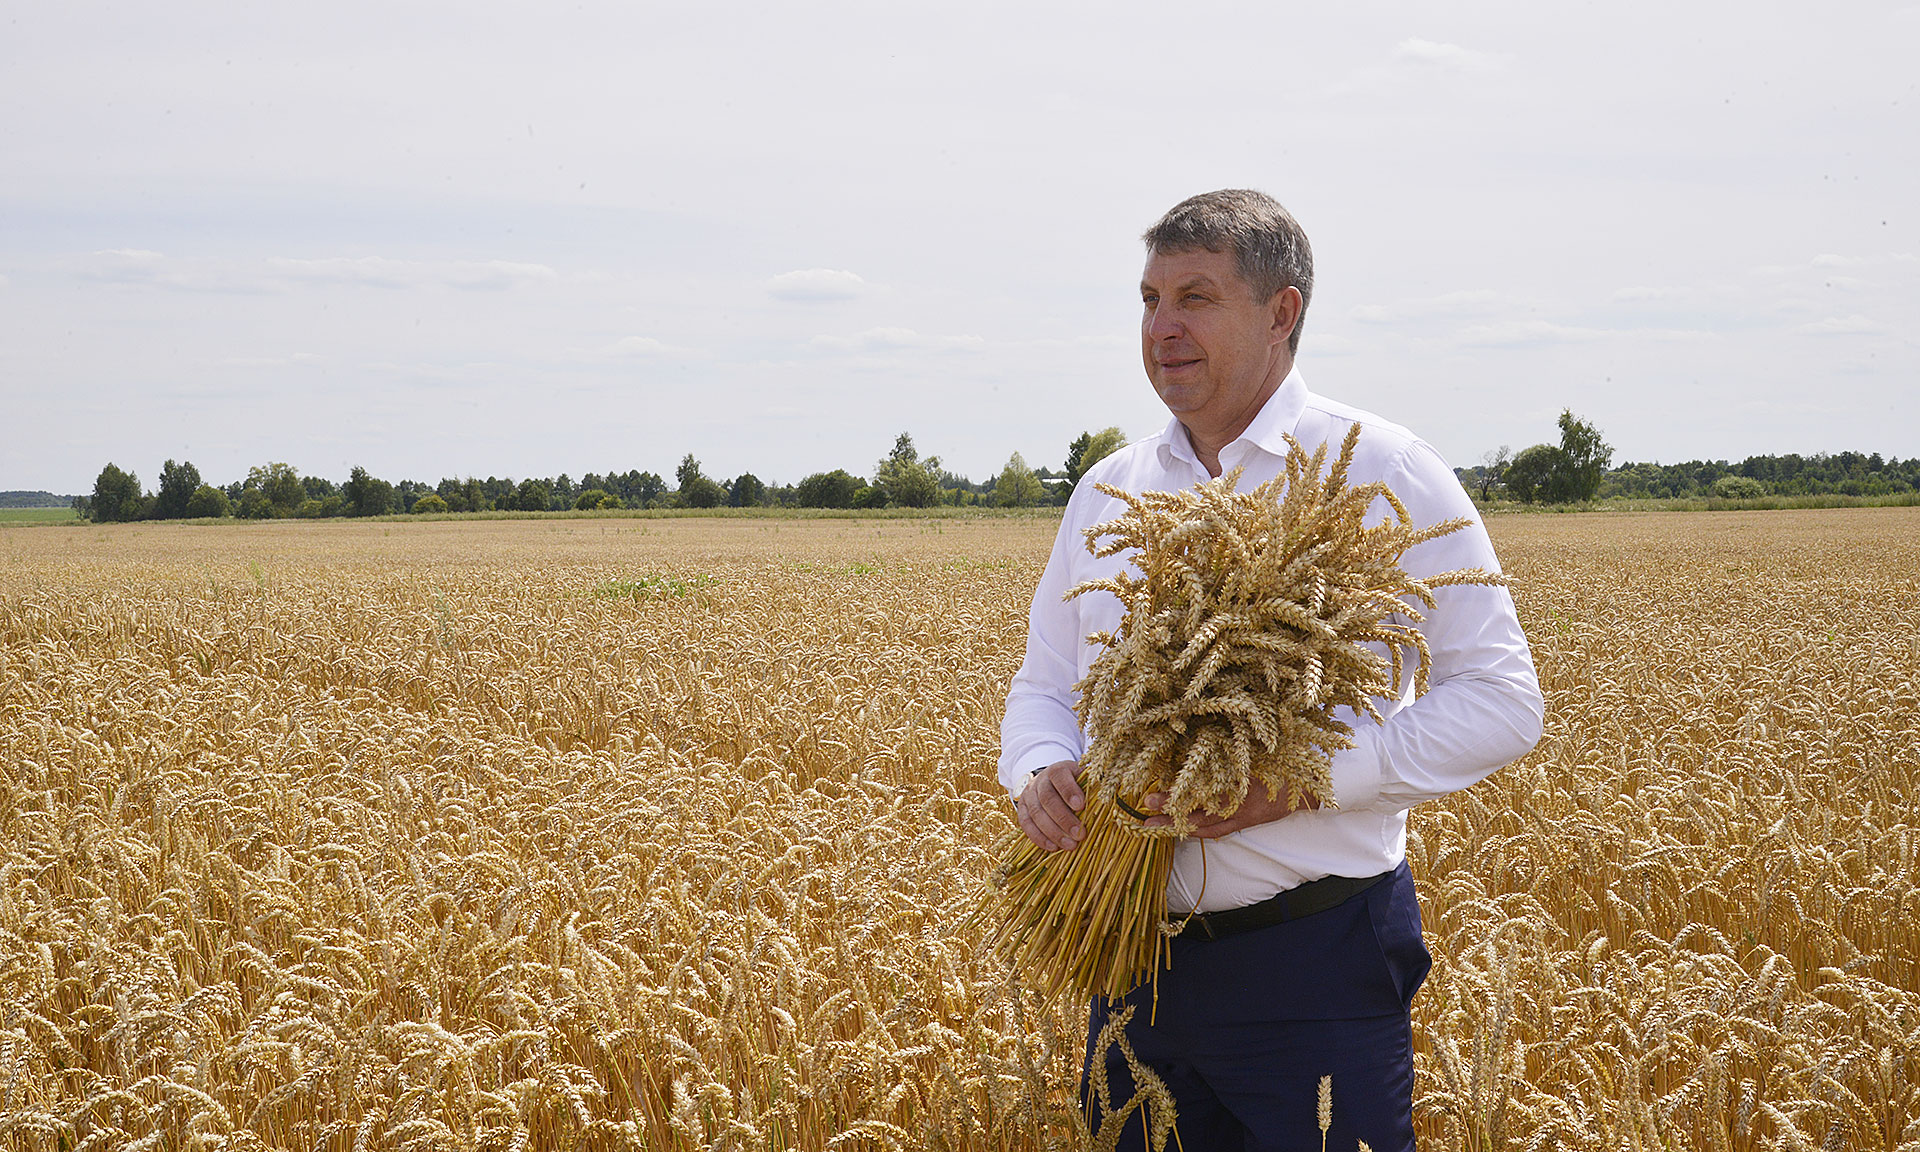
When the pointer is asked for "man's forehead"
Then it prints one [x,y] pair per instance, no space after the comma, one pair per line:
[1191,266]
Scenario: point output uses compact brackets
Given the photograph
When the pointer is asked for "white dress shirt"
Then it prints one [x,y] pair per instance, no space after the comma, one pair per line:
[1483,708]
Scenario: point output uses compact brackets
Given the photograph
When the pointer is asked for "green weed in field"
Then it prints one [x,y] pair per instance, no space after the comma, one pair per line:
[37,516]
[651,587]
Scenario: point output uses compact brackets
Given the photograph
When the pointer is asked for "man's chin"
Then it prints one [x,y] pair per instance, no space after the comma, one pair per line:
[1180,398]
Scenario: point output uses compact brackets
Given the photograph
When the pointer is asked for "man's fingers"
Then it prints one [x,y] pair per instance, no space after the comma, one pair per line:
[1049,805]
[1059,777]
[1045,830]
[1210,827]
[1204,825]
[1050,824]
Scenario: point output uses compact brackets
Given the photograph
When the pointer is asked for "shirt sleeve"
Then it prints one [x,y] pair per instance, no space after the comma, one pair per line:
[1483,708]
[1040,727]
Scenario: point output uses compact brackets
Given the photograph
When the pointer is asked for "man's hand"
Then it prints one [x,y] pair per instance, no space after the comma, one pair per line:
[1254,808]
[1048,808]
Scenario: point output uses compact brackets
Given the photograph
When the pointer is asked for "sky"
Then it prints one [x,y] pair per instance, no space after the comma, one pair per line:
[440,240]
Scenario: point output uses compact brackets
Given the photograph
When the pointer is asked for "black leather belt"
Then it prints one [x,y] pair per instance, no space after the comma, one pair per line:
[1304,900]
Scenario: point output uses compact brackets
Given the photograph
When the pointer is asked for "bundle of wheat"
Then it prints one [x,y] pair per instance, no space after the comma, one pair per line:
[1245,632]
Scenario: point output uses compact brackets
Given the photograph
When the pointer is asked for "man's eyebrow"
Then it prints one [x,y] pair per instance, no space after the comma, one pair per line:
[1205,282]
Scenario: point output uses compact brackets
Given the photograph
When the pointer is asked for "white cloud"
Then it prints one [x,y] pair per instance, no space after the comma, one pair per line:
[1647,293]
[382,272]
[1523,333]
[1855,325]
[277,274]
[1449,55]
[363,271]
[1834,260]
[1411,61]
[629,348]
[492,275]
[1316,344]
[638,346]
[124,266]
[896,340]
[817,284]
[1467,302]
[297,358]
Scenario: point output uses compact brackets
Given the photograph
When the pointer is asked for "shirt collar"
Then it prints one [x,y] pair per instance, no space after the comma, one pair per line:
[1268,432]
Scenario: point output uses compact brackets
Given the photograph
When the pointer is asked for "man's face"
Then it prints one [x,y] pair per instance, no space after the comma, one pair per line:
[1209,346]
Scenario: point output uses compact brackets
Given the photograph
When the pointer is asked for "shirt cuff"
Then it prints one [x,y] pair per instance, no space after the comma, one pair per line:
[1035,759]
[1357,771]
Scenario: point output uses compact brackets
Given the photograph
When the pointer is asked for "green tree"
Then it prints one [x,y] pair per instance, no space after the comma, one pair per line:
[279,484]
[430,503]
[906,480]
[697,490]
[1088,449]
[1585,457]
[592,498]
[1017,486]
[254,505]
[533,495]
[833,489]
[366,494]
[409,491]
[1569,472]
[702,492]
[209,503]
[1530,475]
[645,488]
[746,491]
[116,496]
[178,483]
[1493,466]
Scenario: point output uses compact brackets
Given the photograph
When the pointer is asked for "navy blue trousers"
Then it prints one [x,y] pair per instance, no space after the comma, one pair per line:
[1247,1025]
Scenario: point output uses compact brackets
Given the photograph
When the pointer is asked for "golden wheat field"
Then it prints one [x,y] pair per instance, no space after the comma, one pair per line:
[667,834]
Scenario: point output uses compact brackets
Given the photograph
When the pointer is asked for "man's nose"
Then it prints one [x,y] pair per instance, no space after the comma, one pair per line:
[1161,324]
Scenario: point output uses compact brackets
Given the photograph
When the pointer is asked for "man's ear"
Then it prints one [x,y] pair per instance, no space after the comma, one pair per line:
[1287,306]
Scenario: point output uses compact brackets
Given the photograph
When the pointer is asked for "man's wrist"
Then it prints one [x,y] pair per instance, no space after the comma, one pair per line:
[1028,782]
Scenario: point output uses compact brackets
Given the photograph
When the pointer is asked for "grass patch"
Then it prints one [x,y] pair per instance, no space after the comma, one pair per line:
[650,587]
[37,516]
[852,568]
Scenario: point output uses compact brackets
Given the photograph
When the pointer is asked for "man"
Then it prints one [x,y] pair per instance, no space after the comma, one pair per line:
[1307,951]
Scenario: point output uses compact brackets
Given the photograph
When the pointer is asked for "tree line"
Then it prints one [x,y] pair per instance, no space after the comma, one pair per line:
[1577,470]
[902,478]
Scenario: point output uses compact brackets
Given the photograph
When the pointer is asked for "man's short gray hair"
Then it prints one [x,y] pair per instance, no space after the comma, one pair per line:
[1270,249]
